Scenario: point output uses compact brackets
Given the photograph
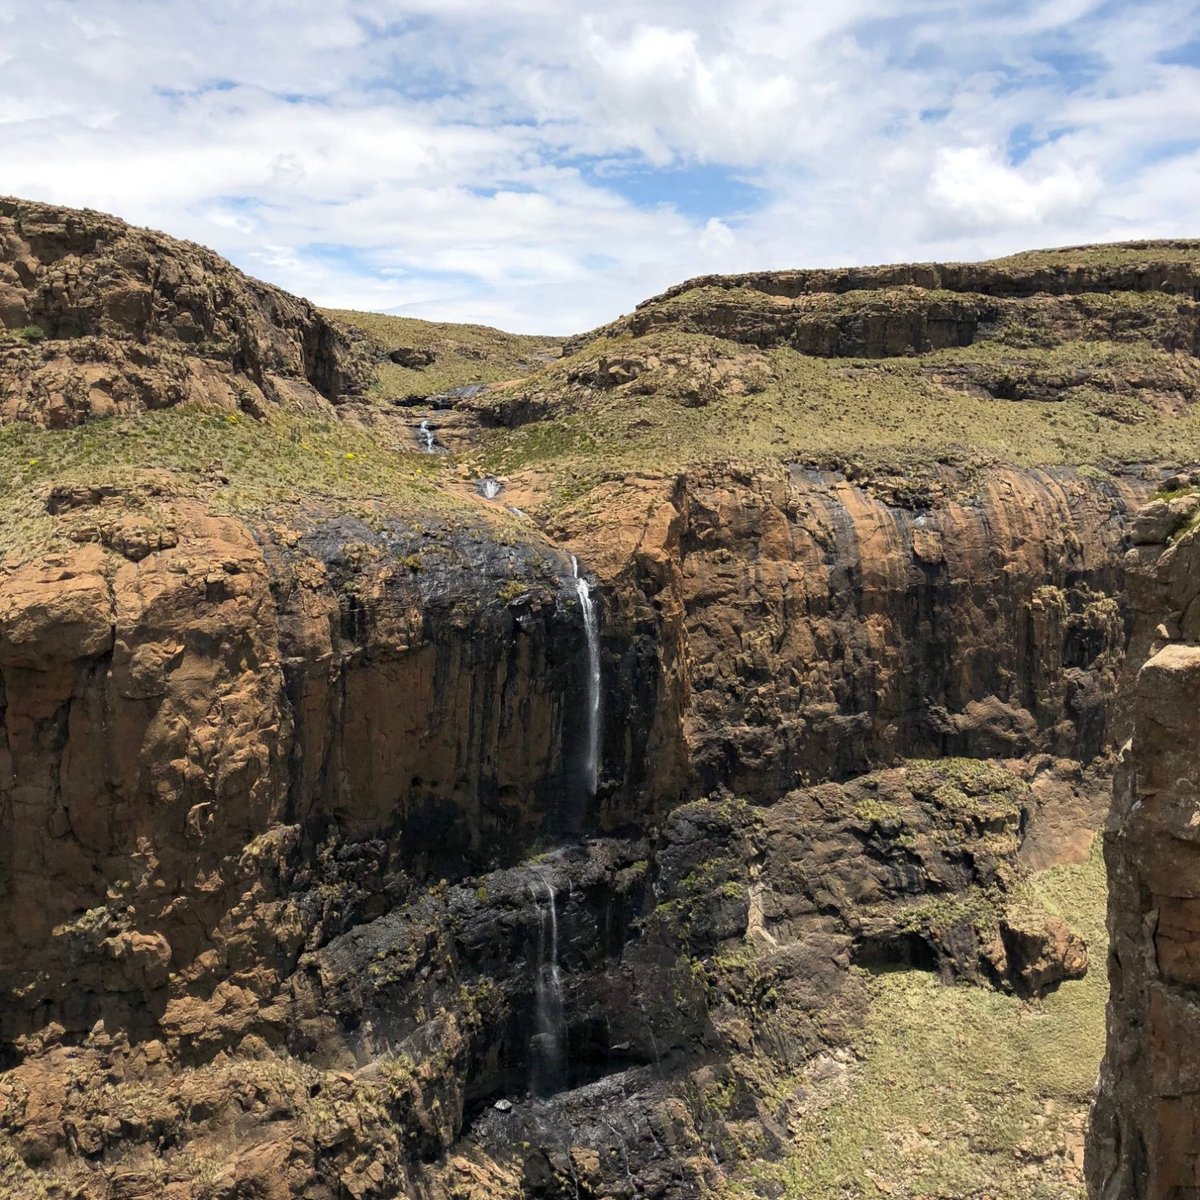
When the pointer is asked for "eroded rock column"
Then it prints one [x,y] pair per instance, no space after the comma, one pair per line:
[1145,1135]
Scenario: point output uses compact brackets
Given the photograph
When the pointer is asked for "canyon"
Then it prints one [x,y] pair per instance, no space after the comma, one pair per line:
[661,763]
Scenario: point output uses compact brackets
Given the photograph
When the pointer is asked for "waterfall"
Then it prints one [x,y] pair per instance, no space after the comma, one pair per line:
[591,627]
[547,1074]
[428,439]
[489,487]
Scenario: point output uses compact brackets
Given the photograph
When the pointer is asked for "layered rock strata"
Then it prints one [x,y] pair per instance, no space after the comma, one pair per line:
[236,764]
[811,628]
[881,312]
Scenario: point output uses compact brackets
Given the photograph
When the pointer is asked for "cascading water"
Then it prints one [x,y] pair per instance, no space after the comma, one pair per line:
[428,439]
[489,487]
[591,628]
[548,1066]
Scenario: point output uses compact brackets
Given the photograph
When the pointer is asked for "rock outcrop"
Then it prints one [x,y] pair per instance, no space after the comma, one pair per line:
[114,319]
[411,1010]
[813,628]
[1143,1142]
[912,308]
[1167,267]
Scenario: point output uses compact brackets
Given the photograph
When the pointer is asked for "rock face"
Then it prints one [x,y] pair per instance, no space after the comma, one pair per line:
[422,687]
[813,628]
[915,865]
[239,762]
[304,886]
[411,1010]
[905,319]
[117,320]
[176,711]
[1143,1139]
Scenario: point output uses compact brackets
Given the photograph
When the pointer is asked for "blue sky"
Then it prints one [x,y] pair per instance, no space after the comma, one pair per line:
[545,164]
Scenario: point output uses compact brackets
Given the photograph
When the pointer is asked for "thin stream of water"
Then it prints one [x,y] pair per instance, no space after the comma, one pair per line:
[591,628]
[548,1068]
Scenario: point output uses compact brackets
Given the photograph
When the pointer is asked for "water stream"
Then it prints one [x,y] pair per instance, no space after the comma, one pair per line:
[548,1066]
[591,628]
[428,439]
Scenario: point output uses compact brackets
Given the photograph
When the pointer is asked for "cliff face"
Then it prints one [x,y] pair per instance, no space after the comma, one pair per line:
[1143,1137]
[236,764]
[812,630]
[1160,266]
[880,312]
[164,714]
[306,889]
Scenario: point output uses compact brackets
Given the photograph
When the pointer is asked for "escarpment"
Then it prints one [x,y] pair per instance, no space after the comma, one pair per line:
[309,884]
[814,630]
[1167,266]
[1146,294]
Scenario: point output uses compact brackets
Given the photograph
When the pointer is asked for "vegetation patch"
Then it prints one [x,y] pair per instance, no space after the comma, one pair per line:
[1093,404]
[441,356]
[235,463]
[962,1091]
[1113,254]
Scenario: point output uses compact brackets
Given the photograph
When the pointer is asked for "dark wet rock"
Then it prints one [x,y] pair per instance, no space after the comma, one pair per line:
[416,358]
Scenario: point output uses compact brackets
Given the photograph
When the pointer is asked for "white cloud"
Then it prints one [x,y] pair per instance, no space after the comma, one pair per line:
[666,93]
[975,189]
[716,236]
[463,159]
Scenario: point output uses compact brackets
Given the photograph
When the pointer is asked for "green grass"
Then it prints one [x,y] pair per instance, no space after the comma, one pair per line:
[1112,254]
[237,464]
[814,409]
[26,333]
[696,400]
[466,354]
[963,1092]
[1125,359]
[17,1181]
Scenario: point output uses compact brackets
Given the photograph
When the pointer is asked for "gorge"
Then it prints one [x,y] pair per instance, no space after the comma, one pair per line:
[709,809]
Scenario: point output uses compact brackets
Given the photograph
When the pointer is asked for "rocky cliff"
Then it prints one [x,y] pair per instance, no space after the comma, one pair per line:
[1143,1137]
[110,319]
[306,886]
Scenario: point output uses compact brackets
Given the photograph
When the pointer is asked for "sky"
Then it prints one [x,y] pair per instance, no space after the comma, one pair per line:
[543,165]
